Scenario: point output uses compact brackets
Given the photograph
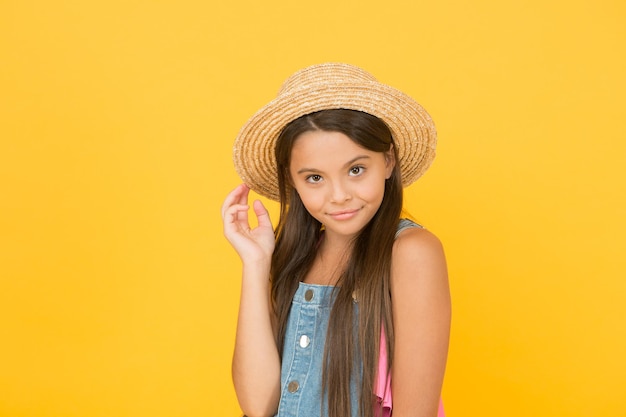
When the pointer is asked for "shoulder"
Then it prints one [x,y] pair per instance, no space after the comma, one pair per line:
[414,243]
[417,252]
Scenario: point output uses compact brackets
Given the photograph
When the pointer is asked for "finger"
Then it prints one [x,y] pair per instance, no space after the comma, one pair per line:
[242,214]
[233,216]
[262,215]
[243,197]
[233,197]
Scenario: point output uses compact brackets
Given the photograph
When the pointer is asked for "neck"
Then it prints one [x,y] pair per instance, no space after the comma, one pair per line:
[335,242]
[330,261]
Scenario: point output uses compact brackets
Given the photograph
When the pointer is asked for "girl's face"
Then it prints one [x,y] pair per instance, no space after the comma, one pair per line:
[340,183]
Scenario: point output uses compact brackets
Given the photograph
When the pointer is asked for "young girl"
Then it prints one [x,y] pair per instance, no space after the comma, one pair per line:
[344,306]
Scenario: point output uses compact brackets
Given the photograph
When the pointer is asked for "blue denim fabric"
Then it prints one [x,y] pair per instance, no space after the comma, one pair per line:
[303,351]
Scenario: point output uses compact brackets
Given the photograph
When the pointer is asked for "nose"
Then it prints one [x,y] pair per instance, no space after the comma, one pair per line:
[340,192]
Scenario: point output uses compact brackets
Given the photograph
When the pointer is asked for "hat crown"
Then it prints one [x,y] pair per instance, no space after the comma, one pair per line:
[330,73]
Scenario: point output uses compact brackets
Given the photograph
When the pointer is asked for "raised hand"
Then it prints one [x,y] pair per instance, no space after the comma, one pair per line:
[256,363]
[252,245]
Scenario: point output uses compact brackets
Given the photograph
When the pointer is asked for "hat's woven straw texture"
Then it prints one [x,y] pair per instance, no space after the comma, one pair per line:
[333,86]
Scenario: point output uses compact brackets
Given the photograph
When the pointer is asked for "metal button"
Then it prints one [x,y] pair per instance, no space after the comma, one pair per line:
[308,295]
[304,341]
[293,386]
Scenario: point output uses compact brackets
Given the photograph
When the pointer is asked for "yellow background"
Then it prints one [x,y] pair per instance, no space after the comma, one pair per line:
[118,293]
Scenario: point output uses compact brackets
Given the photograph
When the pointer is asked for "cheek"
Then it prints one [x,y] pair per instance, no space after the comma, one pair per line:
[310,199]
[373,191]
[314,201]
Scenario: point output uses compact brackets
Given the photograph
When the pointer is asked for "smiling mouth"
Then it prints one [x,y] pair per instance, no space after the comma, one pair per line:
[344,214]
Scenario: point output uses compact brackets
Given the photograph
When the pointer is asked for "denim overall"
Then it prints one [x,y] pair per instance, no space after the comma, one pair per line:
[303,351]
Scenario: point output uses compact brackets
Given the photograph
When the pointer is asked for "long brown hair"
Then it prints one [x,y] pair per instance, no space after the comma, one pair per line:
[367,273]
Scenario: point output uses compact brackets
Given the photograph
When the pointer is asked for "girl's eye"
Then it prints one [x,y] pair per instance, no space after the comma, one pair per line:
[356,170]
[314,178]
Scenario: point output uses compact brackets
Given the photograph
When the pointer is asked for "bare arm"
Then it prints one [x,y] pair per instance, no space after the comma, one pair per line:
[256,365]
[421,313]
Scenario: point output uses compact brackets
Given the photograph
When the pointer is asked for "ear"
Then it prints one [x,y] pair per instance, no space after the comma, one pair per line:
[390,161]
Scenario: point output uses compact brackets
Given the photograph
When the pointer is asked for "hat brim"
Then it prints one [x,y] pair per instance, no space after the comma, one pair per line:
[411,126]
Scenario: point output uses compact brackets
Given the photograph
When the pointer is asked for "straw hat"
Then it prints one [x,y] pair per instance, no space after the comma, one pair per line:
[333,86]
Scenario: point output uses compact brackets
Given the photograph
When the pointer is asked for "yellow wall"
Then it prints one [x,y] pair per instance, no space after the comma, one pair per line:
[118,294]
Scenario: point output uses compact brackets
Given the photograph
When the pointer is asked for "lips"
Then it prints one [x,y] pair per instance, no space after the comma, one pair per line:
[343,214]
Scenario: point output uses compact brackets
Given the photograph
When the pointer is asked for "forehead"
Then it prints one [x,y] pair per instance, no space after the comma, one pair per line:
[326,148]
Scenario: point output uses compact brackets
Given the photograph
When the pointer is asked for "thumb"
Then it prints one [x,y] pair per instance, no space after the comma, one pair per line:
[262,215]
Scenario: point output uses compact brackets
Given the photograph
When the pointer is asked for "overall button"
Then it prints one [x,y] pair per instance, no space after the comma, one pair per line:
[293,386]
[304,341]
[308,295]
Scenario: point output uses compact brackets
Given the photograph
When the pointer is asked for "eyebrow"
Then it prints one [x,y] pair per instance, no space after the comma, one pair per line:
[347,164]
